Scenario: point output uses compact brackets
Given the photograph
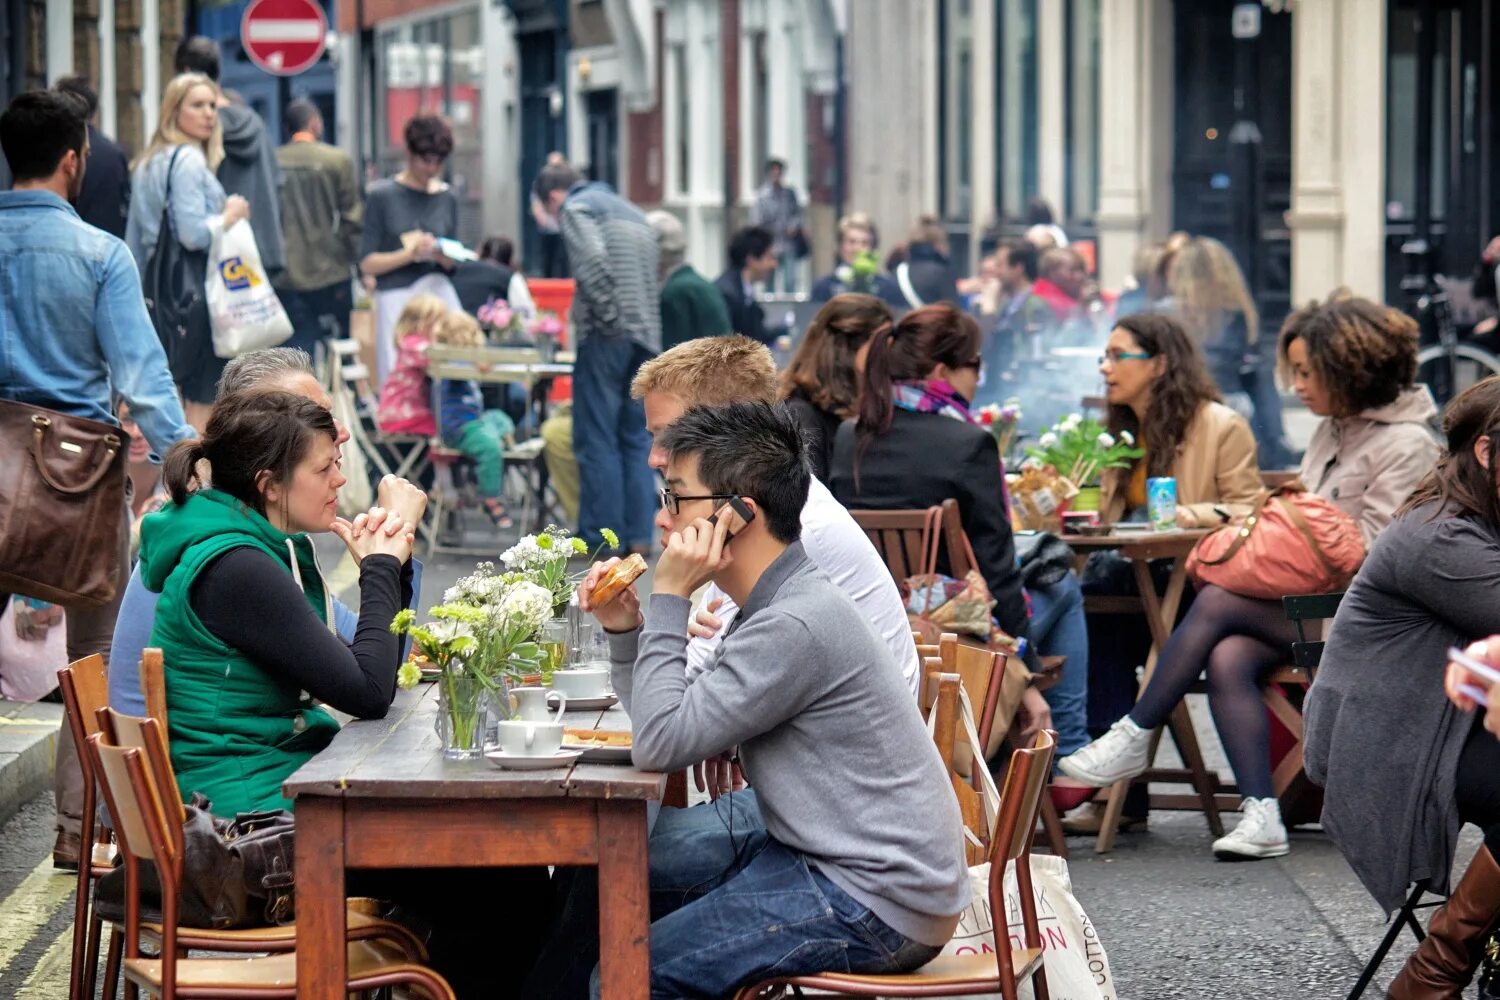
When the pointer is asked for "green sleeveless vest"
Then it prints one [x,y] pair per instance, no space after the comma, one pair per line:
[237,731]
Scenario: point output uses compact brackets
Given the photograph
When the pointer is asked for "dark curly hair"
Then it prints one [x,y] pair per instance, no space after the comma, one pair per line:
[428,134]
[1364,353]
[1176,397]
[1458,482]
[823,367]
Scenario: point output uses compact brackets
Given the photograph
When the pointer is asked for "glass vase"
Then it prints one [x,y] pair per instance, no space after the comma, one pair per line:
[462,708]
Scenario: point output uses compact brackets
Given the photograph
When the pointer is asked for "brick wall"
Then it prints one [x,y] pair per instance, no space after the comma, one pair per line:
[646,172]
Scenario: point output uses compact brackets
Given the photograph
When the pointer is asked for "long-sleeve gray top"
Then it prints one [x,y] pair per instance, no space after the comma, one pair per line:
[827,730]
[1382,738]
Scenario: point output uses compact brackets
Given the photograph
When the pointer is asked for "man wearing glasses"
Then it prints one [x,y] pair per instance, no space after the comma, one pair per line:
[797,686]
[404,218]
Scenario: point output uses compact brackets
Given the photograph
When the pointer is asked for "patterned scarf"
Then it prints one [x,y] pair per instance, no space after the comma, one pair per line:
[938,396]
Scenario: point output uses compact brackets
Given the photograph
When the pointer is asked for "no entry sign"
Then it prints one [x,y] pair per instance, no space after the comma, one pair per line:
[284,37]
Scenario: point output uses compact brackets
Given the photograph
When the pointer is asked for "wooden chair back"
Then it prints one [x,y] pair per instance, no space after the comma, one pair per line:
[85,691]
[146,735]
[947,733]
[1026,780]
[154,685]
[1303,608]
[898,535]
[144,835]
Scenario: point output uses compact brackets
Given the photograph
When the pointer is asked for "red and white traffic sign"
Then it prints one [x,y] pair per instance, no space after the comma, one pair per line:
[284,37]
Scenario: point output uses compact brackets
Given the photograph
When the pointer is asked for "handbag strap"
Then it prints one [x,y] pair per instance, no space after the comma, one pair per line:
[1242,533]
[931,534]
[40,425]
[1299,521]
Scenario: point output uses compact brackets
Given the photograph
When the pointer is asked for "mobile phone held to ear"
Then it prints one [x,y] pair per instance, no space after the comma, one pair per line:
[739,507]
[1478,669]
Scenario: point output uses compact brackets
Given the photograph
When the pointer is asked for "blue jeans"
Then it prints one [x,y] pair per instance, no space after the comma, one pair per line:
[617,488]
[776,915]
[1059,628]
[696,850]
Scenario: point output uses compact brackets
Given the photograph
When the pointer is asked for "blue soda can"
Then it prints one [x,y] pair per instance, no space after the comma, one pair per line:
[1161,502]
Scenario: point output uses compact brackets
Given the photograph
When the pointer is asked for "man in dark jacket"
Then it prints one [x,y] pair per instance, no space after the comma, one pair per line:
[752,260]
[321,213]
[249,168]
[690,306]
[104,201]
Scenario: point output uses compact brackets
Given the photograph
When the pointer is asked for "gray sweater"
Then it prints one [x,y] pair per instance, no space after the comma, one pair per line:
[1381,737]
[828,732]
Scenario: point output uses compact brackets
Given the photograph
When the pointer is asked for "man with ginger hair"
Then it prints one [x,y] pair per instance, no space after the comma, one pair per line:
[717,371]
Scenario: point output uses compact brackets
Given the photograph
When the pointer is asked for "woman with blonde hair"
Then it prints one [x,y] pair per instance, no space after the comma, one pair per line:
[173,181]
[1209,297]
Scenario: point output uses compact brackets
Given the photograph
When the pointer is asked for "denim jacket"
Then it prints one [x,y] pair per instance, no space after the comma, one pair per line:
[73,321]
[197,196]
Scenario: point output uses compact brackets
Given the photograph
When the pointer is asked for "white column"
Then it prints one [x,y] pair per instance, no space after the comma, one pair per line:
[1338,148]
[150,67]
[1362,113]
[1135,121]
[1053,62]
[59,42]
[108,121]
[788,132]
[985,168]
[500,147]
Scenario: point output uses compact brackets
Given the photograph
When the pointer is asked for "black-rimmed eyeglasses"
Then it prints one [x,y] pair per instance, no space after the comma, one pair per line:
[670,500]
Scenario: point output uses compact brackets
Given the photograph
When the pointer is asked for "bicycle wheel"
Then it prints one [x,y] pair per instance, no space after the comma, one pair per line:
[1447,377]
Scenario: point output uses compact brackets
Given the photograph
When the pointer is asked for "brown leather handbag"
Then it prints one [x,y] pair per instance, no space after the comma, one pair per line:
[62,505]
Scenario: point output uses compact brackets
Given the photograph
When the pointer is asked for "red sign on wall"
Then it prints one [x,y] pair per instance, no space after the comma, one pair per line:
[284,37]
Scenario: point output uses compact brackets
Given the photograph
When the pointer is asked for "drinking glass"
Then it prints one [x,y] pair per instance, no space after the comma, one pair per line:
[583,644]
[555,644]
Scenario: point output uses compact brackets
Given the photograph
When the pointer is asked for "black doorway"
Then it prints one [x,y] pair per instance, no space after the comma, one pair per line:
[1232,148]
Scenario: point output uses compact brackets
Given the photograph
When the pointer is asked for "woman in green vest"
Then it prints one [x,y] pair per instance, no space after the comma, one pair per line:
[244,619]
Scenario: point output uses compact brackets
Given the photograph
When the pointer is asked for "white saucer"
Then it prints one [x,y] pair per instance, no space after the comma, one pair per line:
[590,704]
[526,762]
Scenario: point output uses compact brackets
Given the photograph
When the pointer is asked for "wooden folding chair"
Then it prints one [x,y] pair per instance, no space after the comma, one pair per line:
[1004,969]
[85,690]
[147,831]
[898,535]
[147,736]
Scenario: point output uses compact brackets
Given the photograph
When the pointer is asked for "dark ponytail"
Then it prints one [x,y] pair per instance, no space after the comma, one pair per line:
[248,433]
[918,343]
[179,470]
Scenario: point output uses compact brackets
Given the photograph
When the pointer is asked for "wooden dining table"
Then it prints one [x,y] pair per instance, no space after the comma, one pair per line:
[1141,548]
[383,796]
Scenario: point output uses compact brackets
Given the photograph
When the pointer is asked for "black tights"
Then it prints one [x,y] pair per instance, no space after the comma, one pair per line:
[1236,640]
[1477,787]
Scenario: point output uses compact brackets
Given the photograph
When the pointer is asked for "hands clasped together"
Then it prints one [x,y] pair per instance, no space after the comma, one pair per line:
[389,527]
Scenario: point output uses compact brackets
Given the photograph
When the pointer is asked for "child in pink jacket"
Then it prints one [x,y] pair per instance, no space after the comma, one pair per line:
[406,398]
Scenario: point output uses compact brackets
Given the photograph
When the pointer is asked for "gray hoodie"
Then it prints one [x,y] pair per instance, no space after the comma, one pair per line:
[1368,464]
[249,170]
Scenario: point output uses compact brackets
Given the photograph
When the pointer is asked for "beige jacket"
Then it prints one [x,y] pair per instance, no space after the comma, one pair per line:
[1368,464]
[1215,466]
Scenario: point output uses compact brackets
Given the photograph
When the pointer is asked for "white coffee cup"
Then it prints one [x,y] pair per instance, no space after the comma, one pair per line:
[582,682]
[533,704]
[530,739]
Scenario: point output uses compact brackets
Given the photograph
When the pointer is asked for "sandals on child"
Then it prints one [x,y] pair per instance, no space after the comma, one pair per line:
[498,514]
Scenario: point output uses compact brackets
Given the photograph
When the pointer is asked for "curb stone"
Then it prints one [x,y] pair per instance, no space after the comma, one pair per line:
[28,749]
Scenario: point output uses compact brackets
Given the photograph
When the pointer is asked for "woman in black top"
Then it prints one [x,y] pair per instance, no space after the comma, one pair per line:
[820,386]
[915,445]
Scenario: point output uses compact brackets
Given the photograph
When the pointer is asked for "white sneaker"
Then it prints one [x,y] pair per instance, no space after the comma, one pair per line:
[1123,752]
[1260,833]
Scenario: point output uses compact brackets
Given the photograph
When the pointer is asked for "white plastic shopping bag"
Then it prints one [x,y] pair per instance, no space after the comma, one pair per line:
[33,647]
[1072,953]
[243,308]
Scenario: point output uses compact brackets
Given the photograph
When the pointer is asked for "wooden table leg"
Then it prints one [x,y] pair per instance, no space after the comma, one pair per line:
[624,902]
[322,956]
[1181,723]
